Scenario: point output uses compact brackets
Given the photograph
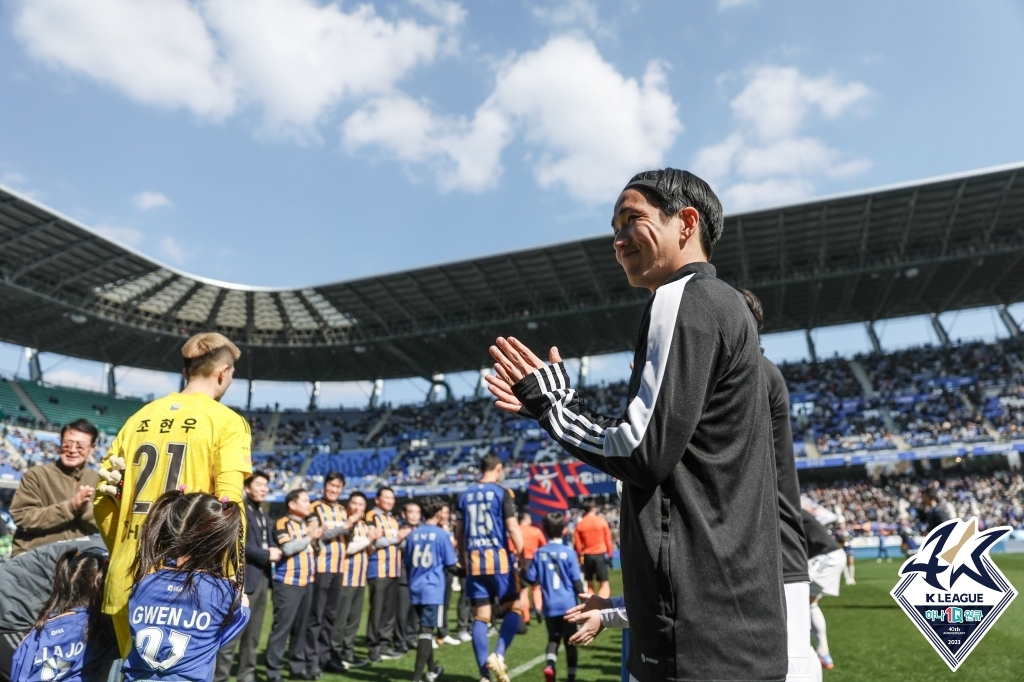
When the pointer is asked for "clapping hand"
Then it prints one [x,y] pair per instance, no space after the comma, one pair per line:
[513,361]
[82,497]
[113,481]
[588,617]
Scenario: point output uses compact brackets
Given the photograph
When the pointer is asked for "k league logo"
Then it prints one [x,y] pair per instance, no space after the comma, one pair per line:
[952,591]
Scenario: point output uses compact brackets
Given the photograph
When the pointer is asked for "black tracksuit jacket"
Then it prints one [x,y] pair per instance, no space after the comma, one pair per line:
[701,561]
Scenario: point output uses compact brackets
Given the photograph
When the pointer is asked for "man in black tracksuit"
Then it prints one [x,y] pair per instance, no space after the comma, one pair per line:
[803,663]
[701,561]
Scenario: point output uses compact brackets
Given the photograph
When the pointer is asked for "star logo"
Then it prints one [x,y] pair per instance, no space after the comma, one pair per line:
[952,591]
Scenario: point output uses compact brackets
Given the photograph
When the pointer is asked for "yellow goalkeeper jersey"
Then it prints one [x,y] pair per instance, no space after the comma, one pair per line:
[179,440]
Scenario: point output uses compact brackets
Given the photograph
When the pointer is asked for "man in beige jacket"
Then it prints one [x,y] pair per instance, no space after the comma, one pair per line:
[54,501]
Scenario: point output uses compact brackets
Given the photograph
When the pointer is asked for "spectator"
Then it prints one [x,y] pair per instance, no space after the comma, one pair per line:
[54,501]
[260,553]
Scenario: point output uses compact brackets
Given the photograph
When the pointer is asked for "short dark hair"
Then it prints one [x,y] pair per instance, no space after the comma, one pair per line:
[356,493]
[294,495]
[523,515]
[489,462]
[754,303]
[385,487]
[411,503]
[257,473]
[588,506]
[673,190]
[554,525]
[431,506]
[334,476]
[83,425]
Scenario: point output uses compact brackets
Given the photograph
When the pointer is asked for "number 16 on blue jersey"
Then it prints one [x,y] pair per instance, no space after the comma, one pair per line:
[428,551]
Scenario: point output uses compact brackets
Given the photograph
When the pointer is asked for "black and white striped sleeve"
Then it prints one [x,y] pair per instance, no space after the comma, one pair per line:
[680,341]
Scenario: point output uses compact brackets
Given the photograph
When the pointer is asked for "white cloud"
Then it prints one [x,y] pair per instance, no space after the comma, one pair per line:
[294,59]
[72,377]
[154,51]
[570,13]
[126,235]
[173,251]
[143,382]
[147,200]
[591,125]
[767,160]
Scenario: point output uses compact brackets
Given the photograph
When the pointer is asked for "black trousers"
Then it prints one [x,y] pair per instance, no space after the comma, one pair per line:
[380,630]
[443,629]
[346,624]
[465,613]
[322,612]
[247,642]
[291,611]
[407,623]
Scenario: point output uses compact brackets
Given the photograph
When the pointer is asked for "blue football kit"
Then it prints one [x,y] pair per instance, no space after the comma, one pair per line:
[59,652]
[428,552]
[483,508]
[175,634]
[556,568]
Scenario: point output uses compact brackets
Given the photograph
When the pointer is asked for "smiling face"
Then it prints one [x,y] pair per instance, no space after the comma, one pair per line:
[300,505]
[332,490]
[649,246]
[75,448]
[356,505]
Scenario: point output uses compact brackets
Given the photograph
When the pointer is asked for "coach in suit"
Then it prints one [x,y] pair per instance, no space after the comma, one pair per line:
[260,553]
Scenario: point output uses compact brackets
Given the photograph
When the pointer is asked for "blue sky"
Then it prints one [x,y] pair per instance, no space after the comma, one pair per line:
[293,142]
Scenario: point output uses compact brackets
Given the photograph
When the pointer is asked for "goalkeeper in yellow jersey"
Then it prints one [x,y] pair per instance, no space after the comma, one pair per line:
[186,441]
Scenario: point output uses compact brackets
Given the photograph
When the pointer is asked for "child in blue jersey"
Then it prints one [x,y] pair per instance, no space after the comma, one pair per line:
[72,640]
[487,522]
[184,606]
[429,554]
[556,568]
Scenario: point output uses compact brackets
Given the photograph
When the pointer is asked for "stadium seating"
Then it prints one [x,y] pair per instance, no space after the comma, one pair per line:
[63,405]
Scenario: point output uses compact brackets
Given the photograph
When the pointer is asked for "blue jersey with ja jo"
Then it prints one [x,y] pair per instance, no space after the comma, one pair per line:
[556,568]
[483,509]
[176,636]
[59,652]
[428,551]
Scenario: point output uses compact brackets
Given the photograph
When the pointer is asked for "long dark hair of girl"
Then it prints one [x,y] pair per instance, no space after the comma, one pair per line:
[197,527]
[78,583]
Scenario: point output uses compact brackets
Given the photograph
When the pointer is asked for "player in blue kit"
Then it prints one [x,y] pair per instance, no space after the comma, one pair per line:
[556,568]
[72,640]
[184,607]
[487,521]
[429,554]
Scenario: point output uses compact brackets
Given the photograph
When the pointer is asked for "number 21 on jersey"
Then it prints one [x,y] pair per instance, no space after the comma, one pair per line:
[144,462]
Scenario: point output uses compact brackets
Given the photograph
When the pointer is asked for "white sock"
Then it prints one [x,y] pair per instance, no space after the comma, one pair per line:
[853,571]
[818,630]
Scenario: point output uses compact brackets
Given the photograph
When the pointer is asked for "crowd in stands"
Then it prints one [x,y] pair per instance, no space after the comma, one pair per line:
[996,499]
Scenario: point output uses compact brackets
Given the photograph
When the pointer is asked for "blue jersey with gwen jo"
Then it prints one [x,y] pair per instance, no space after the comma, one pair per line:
[59,651]
[556,568]
[428,551]
[483,509]
[176,636]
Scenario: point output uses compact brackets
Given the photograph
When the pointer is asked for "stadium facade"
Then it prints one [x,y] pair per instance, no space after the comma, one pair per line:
[924,247]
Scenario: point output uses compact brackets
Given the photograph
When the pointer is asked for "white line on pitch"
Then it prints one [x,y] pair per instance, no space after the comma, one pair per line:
[526,667]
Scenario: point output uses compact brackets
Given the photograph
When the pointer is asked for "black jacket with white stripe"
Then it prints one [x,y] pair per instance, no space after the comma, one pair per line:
[701,562]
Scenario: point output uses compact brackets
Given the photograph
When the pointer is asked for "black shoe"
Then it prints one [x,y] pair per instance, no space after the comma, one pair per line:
[391,655]
[335,667]
[523,628]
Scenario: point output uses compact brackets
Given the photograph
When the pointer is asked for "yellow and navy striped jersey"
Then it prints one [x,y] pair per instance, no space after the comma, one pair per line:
[181,441]
[298,569]
[386,562]
[353,567]
[331,551]
[484,508]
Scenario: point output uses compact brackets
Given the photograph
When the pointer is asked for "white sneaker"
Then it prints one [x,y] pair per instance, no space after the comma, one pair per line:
[496,664]
[452,641]
[465,637]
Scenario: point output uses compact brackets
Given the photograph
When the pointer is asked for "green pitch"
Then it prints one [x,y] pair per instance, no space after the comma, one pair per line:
[870,638]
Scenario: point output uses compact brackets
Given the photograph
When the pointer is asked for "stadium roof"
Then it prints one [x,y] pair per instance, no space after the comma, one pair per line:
[922,247]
